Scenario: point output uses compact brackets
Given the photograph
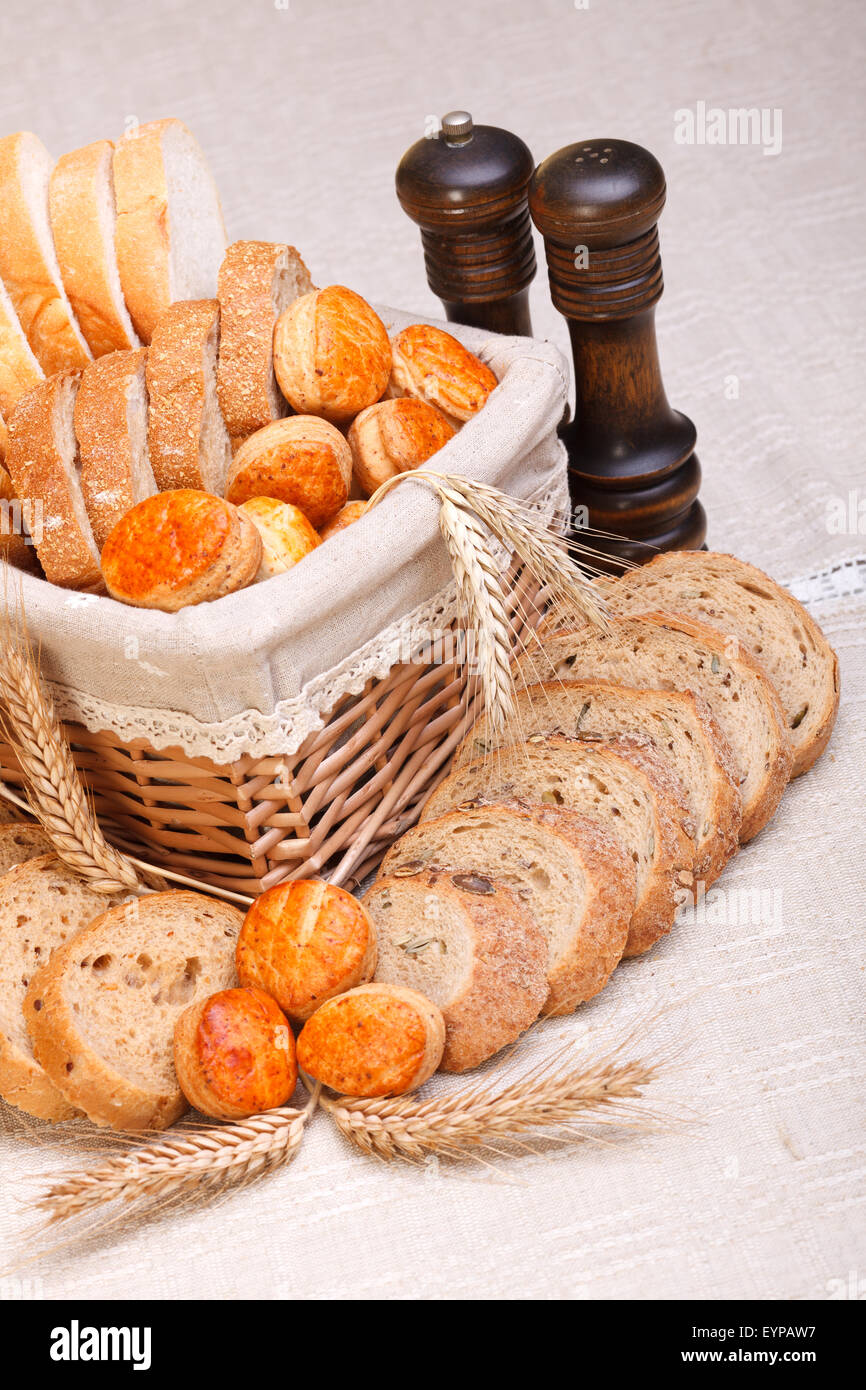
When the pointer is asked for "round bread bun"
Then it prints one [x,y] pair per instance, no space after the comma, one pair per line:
[353,511]
[302,460]
[179,548]
[433,366]
[393,437]
[332,356]
[234,1054]
[376,1040]
[287,535]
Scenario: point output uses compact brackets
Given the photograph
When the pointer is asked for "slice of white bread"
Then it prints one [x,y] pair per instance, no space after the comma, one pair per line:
[188,441]
[257,281]
[42,905]
[20,842]
[111,422]
[576,879]
[81,204]
[627,787]
[19,369]
[28,260]
[470,946]
[101,1013]
[42,458]
[775,629]
[678,724]
[170,237]
[663,651]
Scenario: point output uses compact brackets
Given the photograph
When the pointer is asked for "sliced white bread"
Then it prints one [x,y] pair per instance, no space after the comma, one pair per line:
[42,905]
[42,458]
[471,947]
[170,237]
[101,1013]
[20,842]
[187,438]
[576,879]
[111,428]
[28,260]
[628,788]
[19,369]
[775,629]
[678,724]
[664,651]
[81,204]
[257,281]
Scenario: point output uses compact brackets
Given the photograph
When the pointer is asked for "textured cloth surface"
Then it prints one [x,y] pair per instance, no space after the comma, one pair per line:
[758,1191]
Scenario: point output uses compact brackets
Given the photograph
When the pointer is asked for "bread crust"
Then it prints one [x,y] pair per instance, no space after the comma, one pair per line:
[302,460]
[374,1040]
[346,516]
[14,547]
[394,436]
[332,356]
[19,369]
[287,536]
[180,548]
[102,428]
[74,193]
[234,1054]
[433,366]
[177,391]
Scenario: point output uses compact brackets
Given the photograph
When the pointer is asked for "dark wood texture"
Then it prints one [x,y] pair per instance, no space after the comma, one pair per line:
[631,456]
[468,194]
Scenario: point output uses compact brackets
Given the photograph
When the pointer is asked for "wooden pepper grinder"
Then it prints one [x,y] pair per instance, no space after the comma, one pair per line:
[631,457]
[467,190]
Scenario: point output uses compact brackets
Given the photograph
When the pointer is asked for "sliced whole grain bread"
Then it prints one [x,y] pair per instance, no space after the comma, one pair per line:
[661,651]
[626,786]
[16,545]
[28,261]
[735,597]
[42,905]
[20,842]
[19,369]
[575,878]
[188,441]
[257,281]
[468,945]
[678,724]
[170,237]
[111,427]
[101,1013]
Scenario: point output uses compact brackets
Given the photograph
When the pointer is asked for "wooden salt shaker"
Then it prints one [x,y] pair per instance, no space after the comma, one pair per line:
[631,457]
[467,190]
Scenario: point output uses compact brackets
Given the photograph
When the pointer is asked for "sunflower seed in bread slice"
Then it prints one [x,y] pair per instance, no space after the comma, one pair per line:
[188,441]
[101,1013]
[20,842]
[111,427]
[734,597]
[677,724]
[471,947]
[669,652]
[42,906]
[627,787]
[575,878]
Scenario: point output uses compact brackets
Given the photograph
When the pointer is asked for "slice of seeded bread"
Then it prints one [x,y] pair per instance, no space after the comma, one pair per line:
[18,843]
[575,878]
[101,1012]
[42,906]
[626,786]
[188,441]
[471,947]
[111,426]
[676,723]
[663,651]
[775,629]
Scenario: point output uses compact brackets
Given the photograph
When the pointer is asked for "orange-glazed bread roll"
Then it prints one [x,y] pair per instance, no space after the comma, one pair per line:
[393,437]
[234,1054]
[287,535]
[303,943]
[179,548]
[332,356]
[433,366]
[353,511]
[302,460]
[376,1040]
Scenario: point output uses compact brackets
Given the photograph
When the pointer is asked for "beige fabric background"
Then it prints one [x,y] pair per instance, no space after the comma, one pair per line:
[304,114]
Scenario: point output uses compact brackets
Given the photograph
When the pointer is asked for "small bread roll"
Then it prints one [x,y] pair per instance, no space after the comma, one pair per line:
[432,366]
[332,356]
[303,943]
[393,437]
[302,460]
[179,548]
[287,535]
[353,511]
[377,1040]
[234,1054]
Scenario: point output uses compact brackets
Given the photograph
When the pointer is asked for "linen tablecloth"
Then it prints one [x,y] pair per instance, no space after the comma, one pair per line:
[755,1186]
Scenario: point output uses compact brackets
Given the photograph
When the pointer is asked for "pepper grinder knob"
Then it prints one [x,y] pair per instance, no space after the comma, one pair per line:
[466,188]
[631,456]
